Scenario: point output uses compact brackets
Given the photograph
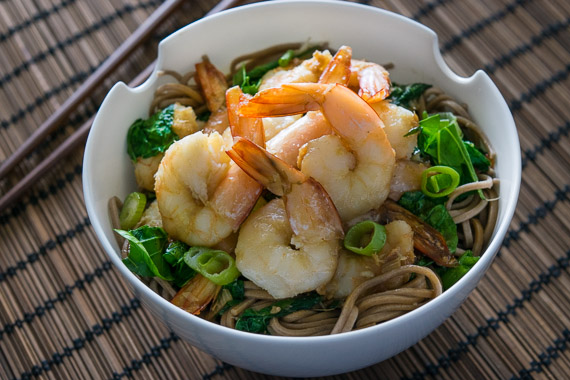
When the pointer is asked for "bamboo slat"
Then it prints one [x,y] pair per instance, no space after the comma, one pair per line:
[65,312]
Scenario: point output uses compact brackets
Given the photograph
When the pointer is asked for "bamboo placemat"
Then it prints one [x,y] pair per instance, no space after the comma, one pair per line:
[65,312]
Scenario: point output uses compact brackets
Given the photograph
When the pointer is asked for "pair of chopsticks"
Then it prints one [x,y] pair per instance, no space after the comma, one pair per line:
[140,35]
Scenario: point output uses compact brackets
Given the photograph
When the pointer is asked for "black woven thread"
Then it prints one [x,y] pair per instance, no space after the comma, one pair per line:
[497,16]
[539,213]
[78,343]
[491,324]
[62,295]
[540,88]
[41,99]
[548,32]
[428,8]
[545,143]
[60,45]
[44,249]
[545,358]
[44,13]
[220,369]
[146,358]
[59,183]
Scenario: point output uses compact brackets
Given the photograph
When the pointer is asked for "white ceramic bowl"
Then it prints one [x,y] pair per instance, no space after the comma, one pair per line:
[373,34]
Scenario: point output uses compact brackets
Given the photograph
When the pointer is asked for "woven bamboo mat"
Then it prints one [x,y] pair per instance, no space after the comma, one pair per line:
[65,313]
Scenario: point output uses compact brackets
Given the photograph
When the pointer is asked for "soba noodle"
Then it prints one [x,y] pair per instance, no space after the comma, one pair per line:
[393,293]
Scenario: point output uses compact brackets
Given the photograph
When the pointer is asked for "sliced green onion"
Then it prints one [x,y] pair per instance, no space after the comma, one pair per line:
[217,266]
[132,210]
[286,58]
[365,238]
[439,181]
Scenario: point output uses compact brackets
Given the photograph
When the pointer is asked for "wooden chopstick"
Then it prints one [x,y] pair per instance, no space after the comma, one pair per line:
[80,135]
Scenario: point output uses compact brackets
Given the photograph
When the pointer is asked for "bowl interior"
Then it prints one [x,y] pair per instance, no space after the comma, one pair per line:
[374,35]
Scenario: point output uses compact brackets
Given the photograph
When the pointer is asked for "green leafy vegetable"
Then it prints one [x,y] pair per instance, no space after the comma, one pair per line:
[450,276]
[478,159]
[441,140]
[433,212]
[217,266]
[402,95]
[149,137]
[248,82]
[256,321]
[145,258]
[236,291]
[424,261]
[365,238]
[174,255]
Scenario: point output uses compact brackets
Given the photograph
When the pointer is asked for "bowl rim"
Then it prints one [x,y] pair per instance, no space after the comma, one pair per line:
[486,257]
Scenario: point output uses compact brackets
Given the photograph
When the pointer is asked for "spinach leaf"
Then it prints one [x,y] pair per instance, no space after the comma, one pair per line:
[418,203]
[149,137]
[145,258]
[237,292]
[424,261]
[402,95]
[478,159]
[256,321]
[450,276]
[438,217]
[236,289]
[441,140]
[174,255]
[434,213]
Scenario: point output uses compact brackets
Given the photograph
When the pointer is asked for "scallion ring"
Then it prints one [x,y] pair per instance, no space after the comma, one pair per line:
[216,265]
[286,58]
[132,210]
[365,238]
[439,181]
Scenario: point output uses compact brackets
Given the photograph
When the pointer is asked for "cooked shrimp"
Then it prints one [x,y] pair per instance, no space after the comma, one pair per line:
[355,165]
[307,71]
[151,216]
[407,177]
[145,169]
[183,123]
[338,69]
[371,80]
[354,269]
[290,245]
[214,86]
[286,144]
[427,239]
[273,125]
[398,121]
[202,196]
